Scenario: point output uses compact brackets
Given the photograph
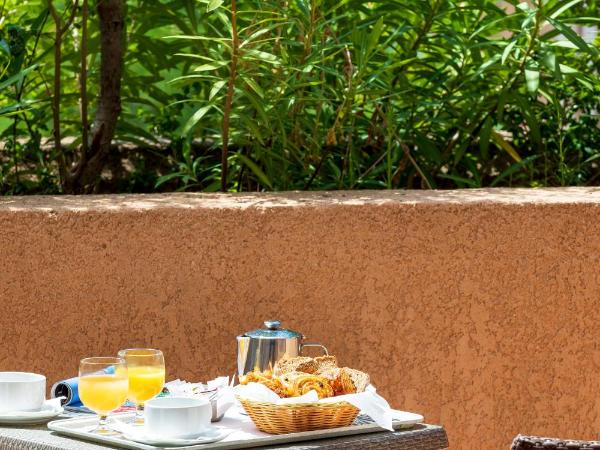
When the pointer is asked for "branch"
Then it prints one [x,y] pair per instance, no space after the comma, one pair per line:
[69,21]
[62,163]
[229,97]
[111,14]
[83,81]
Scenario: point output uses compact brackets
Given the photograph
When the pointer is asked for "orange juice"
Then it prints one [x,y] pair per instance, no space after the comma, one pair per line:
[103,393]
[145,382]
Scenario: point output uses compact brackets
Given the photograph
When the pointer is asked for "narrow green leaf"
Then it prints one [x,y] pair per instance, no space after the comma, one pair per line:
[505,145]
[263,56]
[507,50]
[167,177]
[513,168]
[210,66]
[216,88]
[255,170]
[567,69]
[254,36]
[4,47]
[192,121]
[484,137]
[17,78]
[375,35]
[592,158]
[213,4]
[563,8]
[563,44]
[568,32]
[584,82]
[255,87]
[532,77]
[460,180]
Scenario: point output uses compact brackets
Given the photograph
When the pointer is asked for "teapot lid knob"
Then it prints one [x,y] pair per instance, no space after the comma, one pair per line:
[272,324]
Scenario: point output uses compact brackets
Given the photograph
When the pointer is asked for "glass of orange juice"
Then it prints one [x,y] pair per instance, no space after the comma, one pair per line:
[146,372]
[103,387]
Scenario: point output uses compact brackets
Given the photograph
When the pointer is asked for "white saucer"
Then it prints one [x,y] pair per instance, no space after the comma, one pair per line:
[48,411]
[140,435]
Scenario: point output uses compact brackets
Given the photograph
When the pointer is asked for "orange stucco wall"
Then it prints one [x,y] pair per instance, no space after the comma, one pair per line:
[478,309]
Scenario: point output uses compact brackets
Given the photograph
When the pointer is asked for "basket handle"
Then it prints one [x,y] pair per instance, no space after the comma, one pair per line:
[322,347]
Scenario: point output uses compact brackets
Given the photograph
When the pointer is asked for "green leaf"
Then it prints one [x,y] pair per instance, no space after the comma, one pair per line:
[254,36]
[460,180]
[484,137]
[263,56]
[507,50]
[255,87]
[551,62]
[18,77]
[534,126]
[567,69]
[216,88]
[210,66]
[375,35]
[532,77]
[568,32]
[563,8]
[513,168]
[4,47]
[592,158]
[213,4]
[167,177]
[255,170]
[192,121]
[505,145]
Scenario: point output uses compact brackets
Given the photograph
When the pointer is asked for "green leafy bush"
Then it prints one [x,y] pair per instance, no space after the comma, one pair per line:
[319,94]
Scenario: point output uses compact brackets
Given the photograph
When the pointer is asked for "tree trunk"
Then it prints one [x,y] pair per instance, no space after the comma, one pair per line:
[111,14]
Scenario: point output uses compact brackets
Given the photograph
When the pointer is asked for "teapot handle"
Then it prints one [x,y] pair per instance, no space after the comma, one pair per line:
[325,352]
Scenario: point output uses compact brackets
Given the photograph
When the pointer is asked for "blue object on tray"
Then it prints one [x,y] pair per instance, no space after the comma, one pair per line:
[70,389]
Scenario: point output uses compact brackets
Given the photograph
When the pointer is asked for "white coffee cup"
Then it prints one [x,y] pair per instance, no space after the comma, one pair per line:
[177,417]
[21,391]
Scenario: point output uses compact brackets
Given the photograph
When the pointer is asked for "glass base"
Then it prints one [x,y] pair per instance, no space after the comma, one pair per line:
[139,415]
[103,430]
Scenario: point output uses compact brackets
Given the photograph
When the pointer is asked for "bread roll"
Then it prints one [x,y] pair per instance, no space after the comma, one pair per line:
[297,364]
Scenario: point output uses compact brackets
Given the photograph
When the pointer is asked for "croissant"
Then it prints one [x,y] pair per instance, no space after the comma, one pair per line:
[306,383]
[276,386]
[255,377]
[288,378]
[340,381]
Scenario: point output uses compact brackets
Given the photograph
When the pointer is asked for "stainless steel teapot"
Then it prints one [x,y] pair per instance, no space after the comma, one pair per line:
[261,349]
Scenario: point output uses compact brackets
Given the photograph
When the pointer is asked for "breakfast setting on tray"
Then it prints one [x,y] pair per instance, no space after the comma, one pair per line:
[278,395]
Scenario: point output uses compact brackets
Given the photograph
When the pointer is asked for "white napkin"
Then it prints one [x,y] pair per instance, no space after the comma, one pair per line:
[225,396]
[260,393]
[368,402]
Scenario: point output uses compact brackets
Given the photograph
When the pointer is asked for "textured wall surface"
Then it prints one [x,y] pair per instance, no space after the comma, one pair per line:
[479,309]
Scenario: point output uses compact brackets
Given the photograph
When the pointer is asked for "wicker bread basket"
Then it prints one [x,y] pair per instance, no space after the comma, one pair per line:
[294,418]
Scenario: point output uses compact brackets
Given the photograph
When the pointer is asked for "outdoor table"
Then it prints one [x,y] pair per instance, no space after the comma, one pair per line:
[419,437]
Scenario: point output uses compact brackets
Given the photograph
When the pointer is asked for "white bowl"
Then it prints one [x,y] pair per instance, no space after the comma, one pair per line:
[21,391]
[178,417]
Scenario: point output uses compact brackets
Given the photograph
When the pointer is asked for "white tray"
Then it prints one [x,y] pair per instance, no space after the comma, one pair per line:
[244,434]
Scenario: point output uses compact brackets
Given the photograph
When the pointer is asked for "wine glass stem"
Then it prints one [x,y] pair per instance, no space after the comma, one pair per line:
[139,414]
[103,425]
